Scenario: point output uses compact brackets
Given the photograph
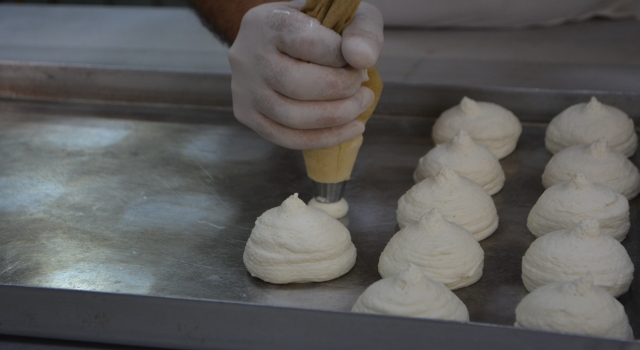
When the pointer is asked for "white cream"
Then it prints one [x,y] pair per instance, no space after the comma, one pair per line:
[458,199]
[587,122]
[336,210]
[487,123]
[443,250]
[599,163]
[467,158]
[410,293]
[563,205]
[568,254]
[577,307]
[294,243]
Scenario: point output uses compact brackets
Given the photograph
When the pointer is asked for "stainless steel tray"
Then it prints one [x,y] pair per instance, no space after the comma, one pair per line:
[158,202]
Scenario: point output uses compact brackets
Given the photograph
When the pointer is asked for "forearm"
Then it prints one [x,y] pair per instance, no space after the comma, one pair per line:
[223,17]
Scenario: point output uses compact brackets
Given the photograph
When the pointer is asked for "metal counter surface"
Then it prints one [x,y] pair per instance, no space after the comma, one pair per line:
[160,202]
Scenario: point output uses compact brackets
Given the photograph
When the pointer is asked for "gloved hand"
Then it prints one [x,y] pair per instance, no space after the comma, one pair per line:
[297,83]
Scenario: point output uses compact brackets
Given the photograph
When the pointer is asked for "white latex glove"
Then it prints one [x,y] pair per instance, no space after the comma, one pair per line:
[297,83]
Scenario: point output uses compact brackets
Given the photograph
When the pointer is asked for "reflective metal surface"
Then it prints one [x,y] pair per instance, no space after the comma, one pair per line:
[161,201]
[328,192]
[50,81]
[175,323]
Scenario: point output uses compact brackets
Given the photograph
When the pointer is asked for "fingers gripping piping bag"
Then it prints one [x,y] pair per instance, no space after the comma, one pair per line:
[330,168]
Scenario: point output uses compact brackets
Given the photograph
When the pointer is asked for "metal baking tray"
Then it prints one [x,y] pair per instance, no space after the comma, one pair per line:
[126,224]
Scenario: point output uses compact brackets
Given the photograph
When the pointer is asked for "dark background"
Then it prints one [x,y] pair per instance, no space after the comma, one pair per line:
[104,2]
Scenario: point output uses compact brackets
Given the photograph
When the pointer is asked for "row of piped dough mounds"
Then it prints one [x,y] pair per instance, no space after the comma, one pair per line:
[441,220]
[577,266]
[444,215]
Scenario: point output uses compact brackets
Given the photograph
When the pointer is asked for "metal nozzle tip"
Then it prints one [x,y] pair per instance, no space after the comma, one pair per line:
[328,192]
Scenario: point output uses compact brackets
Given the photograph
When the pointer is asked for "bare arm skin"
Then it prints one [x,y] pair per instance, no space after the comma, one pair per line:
[223,17]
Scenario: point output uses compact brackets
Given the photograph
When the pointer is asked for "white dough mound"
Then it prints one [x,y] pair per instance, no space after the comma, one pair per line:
[294,243]
[599,163]
[568,254]
[576,307]
[458,199]
[467,158]
[444,251]
[587,122]
[410,293]
[488,124]
[563,205]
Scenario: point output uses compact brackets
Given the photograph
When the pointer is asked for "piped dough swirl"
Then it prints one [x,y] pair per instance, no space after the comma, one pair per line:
[576,306]
[563,205]
[459,199]
[587,122]
[599,163]
[443,250]
[569,254]
[410,293]
[488,124]
[295,243]
[467,158]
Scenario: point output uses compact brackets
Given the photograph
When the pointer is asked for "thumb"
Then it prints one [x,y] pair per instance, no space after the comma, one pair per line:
[362,39]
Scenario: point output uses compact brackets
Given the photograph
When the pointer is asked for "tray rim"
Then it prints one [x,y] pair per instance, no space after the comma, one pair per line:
[168,322]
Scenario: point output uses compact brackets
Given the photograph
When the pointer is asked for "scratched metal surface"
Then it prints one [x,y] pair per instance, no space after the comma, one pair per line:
[161,201]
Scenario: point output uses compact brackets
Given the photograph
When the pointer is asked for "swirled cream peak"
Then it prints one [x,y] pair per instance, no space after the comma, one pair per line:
[447,177]
[458,199]
[294,243]
[443,250]
[576,306]
[470,107]
[462,141]
[568,254]
[467,158]
[291,206]
[598,148]
[487,123]
[594,106]
[410,293]
[587,122]
[580,182]
[565,204]
[599,163]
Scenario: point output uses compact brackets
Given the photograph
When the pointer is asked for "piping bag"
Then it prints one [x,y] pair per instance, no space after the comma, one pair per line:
[330,168]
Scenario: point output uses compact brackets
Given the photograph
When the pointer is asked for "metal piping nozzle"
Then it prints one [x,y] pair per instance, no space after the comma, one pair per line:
[328,192]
